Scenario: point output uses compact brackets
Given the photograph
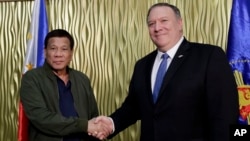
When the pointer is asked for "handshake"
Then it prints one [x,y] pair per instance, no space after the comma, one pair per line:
[100,127]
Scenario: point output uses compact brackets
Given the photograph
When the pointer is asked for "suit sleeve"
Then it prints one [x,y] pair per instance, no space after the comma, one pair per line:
[128,113]
[222,96]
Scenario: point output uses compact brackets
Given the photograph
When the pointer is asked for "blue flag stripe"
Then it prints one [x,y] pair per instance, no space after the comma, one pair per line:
[42,31]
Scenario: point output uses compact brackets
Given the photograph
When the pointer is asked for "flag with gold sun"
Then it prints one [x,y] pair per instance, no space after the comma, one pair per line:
[36,35]
[238,53]
[34,55]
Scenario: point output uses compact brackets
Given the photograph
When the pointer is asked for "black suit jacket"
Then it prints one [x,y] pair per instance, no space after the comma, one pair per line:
[198,99]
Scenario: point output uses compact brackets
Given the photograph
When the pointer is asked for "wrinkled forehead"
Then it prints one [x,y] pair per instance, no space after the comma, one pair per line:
[160,12]
[171,8]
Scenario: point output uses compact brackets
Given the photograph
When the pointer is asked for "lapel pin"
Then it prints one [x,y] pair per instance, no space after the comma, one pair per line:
[180,56]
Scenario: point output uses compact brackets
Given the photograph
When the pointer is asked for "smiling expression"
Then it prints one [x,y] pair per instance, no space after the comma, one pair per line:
[165,27]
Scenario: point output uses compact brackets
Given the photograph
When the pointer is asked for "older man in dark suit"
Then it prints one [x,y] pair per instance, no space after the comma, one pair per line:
[197,99]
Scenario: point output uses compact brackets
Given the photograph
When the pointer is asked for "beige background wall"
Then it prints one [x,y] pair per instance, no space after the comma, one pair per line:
[110,36]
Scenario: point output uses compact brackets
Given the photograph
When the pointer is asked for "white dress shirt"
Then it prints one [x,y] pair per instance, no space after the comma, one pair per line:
[158,60]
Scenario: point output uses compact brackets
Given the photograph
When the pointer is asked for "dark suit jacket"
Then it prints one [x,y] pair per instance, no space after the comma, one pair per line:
[197,102]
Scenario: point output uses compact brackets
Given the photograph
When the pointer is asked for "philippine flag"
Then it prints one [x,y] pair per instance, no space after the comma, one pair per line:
[34,55]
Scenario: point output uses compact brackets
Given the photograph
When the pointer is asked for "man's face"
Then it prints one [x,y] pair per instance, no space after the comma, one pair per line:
[165,28]
[58,53]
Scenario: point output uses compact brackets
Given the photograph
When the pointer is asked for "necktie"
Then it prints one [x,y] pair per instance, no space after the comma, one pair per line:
[159,76]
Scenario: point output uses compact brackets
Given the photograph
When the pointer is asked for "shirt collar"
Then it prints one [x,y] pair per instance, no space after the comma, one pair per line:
[171,52]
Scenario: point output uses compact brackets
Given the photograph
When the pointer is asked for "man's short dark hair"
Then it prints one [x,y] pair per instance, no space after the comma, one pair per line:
[59,33]
[162,4]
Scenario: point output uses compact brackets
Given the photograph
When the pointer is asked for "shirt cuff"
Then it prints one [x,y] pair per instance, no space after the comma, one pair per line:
[113,130]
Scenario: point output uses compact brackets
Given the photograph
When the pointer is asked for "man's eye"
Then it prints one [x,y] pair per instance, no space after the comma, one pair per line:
[150,24]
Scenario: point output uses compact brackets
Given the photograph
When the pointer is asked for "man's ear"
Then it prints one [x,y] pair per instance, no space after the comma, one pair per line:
[72,52]
[44,52]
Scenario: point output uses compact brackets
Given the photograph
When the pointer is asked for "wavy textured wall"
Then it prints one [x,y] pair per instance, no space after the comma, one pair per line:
[110,36]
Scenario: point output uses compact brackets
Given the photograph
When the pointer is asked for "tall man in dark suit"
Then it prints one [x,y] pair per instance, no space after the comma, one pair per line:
[197,100]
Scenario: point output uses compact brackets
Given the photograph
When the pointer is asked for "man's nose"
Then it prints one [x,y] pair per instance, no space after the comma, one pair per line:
[58,52]
[157,26]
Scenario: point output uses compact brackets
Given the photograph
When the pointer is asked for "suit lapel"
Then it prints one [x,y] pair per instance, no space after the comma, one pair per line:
[150,63]
[178,59]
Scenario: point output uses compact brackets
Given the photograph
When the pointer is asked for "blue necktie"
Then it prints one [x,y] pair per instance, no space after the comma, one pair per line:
[160,76]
